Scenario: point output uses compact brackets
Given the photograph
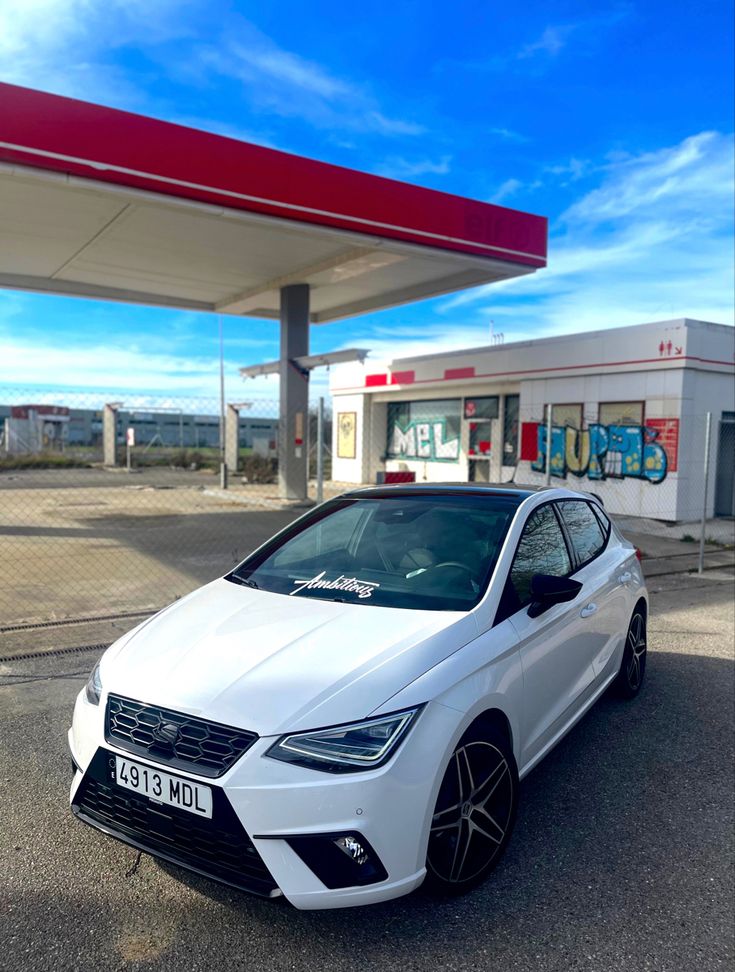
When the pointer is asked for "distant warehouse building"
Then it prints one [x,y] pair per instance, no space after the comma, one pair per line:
[628,411]
[33,428]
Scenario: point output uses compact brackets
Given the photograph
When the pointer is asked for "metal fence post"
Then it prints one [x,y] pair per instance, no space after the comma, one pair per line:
[222,453]
[320,452]
[707,433]
[548,446]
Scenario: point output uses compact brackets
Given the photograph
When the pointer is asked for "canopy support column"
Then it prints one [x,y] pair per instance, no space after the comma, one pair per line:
[293,461]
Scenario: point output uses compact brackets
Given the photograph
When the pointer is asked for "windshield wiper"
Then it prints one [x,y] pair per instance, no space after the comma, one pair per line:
[313,597]
[244,581]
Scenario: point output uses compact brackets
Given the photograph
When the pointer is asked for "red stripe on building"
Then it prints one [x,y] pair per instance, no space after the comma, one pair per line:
[402,377]
[451,373]
[373,381]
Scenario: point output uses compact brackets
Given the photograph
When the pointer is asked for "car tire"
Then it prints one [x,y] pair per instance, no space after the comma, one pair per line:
[633,666]
[474,814]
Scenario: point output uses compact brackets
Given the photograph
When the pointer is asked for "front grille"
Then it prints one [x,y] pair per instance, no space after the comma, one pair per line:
[219,848]
[203,747]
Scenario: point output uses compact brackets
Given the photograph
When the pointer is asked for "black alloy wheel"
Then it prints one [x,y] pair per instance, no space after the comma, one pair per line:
[474,814]
[633,667]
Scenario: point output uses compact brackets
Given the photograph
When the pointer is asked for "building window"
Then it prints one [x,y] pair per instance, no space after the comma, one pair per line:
[510,430]
[481,408]
[565,415]
[424,430]
[620,413]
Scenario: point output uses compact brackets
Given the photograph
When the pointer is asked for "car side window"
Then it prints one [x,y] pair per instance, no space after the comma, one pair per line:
[542,549]
[584,530]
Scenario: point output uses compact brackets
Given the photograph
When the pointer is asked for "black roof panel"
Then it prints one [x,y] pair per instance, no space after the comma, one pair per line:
[518,491]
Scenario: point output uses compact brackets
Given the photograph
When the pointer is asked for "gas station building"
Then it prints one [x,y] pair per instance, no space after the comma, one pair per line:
[628,408]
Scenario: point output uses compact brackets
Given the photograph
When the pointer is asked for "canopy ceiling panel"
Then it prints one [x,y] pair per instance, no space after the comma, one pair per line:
[101,203]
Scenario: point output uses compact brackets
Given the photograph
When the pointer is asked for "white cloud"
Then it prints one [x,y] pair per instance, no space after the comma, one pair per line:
[37,362]
[70,47]
[284,67]
[400,168]
[653,240]
[685,178]
[64,45]
[282,82]
[392,126]
[432,338]
[575,169]
[550,42]
[145,360]
[508,188]
[509,135]
[587,31]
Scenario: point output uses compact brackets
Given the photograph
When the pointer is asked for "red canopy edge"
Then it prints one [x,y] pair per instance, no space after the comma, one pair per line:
[108,145]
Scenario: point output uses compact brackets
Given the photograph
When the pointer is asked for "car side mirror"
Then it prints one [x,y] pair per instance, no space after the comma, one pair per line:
[547,590]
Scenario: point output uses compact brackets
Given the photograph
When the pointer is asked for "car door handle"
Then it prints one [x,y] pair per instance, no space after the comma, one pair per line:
[625,577]
[588,610]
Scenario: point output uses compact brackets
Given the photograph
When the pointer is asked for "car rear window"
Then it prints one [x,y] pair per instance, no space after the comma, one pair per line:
[429,552]
[603,518]
[584,529]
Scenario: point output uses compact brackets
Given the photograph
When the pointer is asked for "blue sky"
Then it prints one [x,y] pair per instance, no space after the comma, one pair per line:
[614,120]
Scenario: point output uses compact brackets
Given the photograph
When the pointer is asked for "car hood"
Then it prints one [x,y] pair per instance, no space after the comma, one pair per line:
[273,663]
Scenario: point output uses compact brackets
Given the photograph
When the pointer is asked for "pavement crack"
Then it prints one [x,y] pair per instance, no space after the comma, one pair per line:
[131,871]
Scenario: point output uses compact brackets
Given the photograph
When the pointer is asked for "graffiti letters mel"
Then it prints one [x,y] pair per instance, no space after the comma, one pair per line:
[422,440]
[604,451]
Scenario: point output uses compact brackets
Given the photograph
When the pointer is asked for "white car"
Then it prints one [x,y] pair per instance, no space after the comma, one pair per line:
[348,713]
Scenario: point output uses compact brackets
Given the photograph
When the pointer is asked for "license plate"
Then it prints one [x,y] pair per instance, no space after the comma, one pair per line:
[164,788]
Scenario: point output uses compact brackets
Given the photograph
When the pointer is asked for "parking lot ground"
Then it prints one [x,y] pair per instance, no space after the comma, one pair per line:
[69,554]
[622,856]
[82,543]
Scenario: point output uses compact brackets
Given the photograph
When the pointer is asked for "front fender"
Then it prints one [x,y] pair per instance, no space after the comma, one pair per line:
[484,674]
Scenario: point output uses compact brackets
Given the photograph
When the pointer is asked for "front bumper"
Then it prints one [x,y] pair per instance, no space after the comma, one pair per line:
[260,803]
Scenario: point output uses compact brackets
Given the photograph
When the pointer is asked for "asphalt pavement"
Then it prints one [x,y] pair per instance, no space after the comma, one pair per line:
[622,856]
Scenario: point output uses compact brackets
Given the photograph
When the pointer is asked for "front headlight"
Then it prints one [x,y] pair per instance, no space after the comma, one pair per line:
[93,688]
[346,749]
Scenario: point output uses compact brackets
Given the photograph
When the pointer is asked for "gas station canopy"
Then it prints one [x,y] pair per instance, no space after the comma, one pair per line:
[101,203]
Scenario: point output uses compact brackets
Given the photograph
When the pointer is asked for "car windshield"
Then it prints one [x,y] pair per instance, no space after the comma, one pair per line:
[427,551]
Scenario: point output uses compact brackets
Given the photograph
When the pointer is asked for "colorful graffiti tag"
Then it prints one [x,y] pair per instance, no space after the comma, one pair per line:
[604,451]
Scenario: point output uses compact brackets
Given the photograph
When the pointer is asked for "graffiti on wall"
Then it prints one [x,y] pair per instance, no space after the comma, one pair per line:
[609,451]
[422,440]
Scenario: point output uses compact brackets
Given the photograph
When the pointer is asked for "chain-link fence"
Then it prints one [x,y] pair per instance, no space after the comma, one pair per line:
[110,505]
[644,460]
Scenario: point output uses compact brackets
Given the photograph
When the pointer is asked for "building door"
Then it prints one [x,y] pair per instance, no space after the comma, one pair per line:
[725,478]
[478,454]
[479,414]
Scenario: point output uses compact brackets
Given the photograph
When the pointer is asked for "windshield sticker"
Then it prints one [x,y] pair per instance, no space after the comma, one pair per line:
[350,584]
